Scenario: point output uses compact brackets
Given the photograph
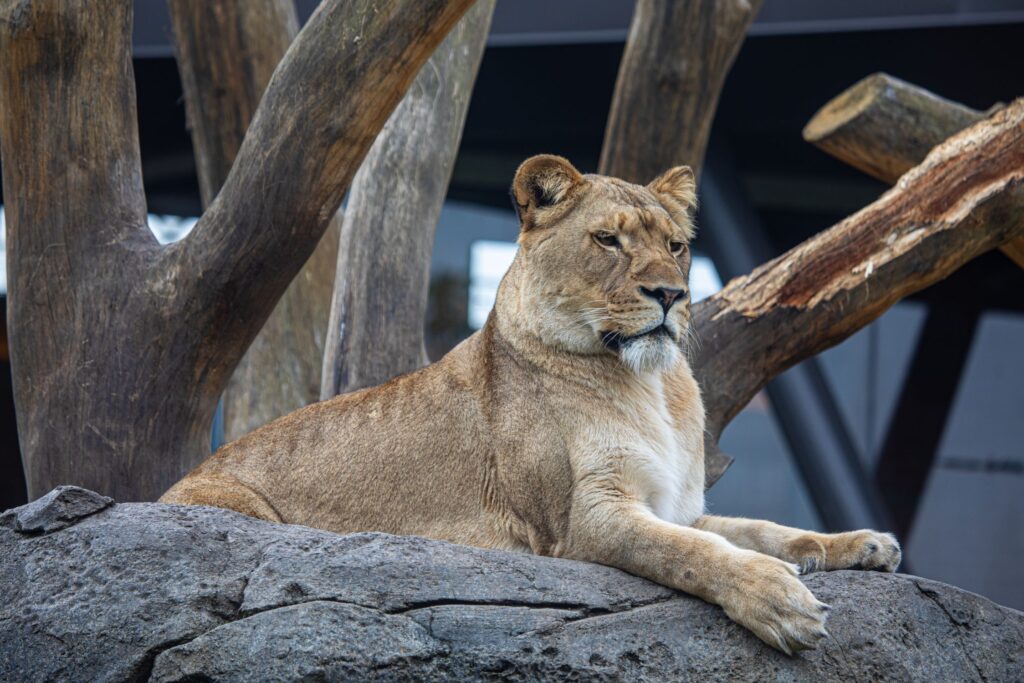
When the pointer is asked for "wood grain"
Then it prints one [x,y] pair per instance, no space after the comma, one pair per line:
[227,52]
[380,297]
[120,347]
[965,198]
[677,57]
[884,126]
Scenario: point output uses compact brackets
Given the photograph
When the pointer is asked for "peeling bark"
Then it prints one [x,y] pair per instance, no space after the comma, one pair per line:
[884,126]
[965,198]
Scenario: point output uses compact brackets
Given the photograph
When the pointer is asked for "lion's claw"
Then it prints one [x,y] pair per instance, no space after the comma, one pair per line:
[772,602]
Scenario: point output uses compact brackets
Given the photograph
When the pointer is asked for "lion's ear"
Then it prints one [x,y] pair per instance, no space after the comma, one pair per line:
[542,182]
[676,189]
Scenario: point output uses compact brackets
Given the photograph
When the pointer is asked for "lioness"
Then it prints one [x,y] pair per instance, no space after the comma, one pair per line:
[570,425]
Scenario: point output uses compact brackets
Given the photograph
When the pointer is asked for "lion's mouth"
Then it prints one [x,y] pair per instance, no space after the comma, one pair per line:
[613,341]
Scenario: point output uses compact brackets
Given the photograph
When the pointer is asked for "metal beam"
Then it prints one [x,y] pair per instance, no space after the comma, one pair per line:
[955,307]
[925,403]
[807,412]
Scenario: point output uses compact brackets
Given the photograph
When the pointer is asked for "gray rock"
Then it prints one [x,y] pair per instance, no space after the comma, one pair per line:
[166,593]
[58,509]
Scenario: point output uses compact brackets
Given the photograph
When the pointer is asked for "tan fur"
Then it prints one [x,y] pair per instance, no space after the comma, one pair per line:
[556,429]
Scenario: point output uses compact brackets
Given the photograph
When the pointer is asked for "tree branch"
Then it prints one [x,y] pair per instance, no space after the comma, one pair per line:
[884,126]
[121,348]
[670,78]
[325,104]
[965,198]
[671,75]
[380,297]
[226,53]
[75,209]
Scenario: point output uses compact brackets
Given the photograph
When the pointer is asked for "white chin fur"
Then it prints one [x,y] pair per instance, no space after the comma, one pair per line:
[649,354]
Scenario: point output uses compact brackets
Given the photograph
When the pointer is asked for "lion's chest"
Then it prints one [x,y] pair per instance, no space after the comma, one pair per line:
[657,462]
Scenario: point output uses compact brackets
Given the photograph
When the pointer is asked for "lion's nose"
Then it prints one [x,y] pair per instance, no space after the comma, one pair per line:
[664,295]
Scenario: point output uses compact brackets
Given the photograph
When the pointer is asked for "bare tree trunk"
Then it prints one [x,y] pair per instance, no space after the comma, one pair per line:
[671,76]
[121,347]
[226,53]
[383,271]
[967,197]
[73,107]
[885,126]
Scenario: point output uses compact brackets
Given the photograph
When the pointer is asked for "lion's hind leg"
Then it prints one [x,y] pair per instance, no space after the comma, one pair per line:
[222,491]
[812,551]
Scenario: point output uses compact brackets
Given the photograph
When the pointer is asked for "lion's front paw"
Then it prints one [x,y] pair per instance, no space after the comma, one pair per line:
[864,549]
[770,600]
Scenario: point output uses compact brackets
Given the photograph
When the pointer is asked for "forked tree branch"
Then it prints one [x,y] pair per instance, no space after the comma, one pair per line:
[120,347]
[227,52]
[967,197]
[316,121]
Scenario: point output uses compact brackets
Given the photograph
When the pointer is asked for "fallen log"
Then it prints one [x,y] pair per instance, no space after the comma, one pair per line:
[964,199]
[884,126]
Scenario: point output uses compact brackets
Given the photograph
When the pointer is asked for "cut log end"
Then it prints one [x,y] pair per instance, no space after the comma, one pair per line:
[847,106]
[884,127]
[963,199]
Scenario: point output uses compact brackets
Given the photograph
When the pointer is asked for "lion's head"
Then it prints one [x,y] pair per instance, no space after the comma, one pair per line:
[603,264]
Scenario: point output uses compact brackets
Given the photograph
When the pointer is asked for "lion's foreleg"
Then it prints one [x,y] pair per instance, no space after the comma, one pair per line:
[757,591]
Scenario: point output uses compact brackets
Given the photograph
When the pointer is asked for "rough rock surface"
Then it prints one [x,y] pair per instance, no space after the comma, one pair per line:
[137,592]
[60,508]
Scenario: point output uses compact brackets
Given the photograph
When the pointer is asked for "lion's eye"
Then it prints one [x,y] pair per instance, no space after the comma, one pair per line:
[607,239]
[676,247]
